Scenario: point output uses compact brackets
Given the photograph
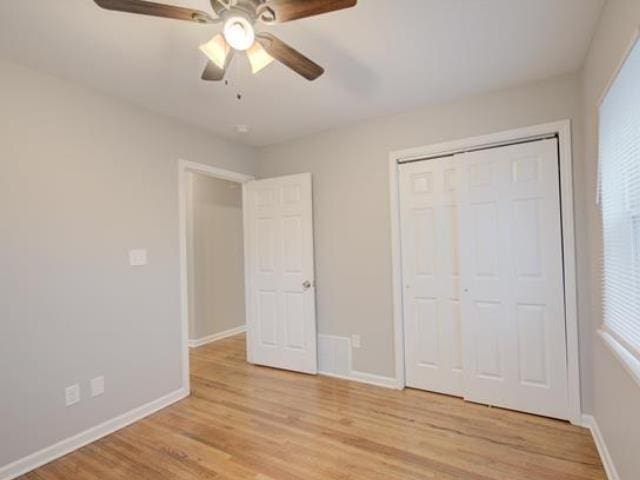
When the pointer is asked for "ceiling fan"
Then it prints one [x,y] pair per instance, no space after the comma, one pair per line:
[239,18]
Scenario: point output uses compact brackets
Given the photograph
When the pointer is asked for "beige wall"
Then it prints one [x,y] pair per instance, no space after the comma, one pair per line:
[351,199]
[616,397]
[216,256]
[83,179]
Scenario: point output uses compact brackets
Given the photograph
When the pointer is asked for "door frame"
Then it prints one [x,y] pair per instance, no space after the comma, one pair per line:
[563,130]
[186,167]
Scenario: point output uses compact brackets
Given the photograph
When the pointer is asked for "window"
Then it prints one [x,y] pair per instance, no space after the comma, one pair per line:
[619,171]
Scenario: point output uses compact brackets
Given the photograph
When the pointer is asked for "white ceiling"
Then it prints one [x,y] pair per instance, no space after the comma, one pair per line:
[384,56]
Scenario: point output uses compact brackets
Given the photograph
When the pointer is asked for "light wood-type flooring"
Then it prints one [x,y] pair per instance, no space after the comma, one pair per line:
[249,422]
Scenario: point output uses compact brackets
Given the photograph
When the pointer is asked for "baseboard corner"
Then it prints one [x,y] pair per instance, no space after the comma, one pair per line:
[589,421]
[199,342]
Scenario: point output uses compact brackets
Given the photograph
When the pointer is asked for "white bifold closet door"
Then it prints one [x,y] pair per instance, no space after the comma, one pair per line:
[500,301]
[513,286]
[429,223]
[281,317]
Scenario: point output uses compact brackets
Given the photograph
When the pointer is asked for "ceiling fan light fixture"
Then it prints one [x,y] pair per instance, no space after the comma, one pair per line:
[217,50]
[258,57]
[238,18]
[239,33]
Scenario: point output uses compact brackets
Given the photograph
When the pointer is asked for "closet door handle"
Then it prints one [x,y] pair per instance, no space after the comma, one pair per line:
[306,285]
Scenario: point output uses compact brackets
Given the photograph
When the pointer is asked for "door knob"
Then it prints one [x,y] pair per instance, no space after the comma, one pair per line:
[306,285]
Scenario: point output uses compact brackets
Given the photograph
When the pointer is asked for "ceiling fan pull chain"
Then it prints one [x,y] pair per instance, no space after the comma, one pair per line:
[232,71]
[236,67]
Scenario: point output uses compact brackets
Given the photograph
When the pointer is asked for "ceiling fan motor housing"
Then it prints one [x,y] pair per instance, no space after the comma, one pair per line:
[247,9]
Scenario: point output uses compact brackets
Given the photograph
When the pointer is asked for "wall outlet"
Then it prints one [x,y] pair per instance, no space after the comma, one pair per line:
[137,258]
[72,395]
[97,386]
[355,341]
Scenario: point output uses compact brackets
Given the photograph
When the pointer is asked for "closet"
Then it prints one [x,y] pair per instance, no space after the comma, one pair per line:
[482,270]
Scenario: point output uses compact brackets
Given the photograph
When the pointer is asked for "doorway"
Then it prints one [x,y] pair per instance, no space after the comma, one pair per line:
[228,219]
[209,178]
[215,258]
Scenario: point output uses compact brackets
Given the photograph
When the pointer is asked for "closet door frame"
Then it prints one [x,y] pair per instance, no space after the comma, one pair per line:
[563,130]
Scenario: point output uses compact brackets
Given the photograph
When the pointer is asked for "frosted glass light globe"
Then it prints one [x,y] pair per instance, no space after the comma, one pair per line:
[239,33]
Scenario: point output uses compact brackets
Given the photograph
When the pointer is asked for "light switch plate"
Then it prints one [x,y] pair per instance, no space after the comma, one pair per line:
[355,341]
[97,386]
[72,395]
[137,258]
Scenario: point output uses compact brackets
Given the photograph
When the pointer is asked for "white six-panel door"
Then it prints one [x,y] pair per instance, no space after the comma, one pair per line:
[512,278]
[280,285]
[483,281]
[429,222]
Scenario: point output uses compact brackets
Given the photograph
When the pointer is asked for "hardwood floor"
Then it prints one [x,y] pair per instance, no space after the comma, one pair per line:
[248,422]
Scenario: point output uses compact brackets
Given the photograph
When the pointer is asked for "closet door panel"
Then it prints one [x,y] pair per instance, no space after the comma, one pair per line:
[429,223]
[510,248]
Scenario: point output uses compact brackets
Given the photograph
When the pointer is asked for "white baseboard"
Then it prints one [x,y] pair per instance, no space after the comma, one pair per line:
[75,442]
[361,377]
[335,359]
[589,422]
[370,378]
[198,342]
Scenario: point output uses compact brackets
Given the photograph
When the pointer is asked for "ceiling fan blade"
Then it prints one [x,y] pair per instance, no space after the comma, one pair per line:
[213,72]
[288,10]
[156,9]
[289,56]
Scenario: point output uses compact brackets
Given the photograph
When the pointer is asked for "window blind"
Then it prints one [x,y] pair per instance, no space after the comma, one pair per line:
[619,172]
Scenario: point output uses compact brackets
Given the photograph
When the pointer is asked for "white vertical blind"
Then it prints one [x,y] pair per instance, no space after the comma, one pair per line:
[620,202]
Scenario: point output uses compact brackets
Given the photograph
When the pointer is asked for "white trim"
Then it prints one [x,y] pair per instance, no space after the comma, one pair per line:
[455,146]
[629,361]
[198,342]
[362,377]
[248,308]
[635,36]
[589,422]
[563,130]
[336,375]
[185,167]
[215,172]
[396,273]
[372,379]
[81,439]
[570,271]
[184,275]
